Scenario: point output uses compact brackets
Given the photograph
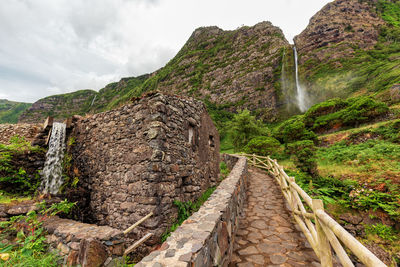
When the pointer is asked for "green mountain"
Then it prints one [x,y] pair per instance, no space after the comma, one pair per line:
[10,110]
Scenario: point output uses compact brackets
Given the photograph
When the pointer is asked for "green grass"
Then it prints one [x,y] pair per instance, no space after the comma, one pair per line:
[10,111]
[7,198]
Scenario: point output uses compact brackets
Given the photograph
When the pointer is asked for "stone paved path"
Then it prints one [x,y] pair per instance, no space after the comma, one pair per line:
[267,234]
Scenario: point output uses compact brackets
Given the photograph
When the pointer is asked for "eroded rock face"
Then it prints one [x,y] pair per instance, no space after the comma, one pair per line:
[228,66]
[346,23]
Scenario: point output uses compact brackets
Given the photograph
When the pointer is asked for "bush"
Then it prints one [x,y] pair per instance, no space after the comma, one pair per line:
[361,110]
[262,146]
[243,128]
[293,130]
[323,108]
[383,231]
[337,113]
[304,156]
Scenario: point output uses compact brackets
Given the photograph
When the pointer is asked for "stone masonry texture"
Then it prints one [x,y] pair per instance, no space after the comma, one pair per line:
[141,157]
[207,237]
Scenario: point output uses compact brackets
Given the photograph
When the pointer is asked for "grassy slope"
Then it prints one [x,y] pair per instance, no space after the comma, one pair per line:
[10,111]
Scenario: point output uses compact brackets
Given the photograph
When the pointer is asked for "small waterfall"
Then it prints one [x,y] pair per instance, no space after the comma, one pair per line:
[94,98]
[301,93]
[52,171]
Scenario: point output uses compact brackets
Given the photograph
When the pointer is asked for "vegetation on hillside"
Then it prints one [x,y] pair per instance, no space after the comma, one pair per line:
[23,239]
[10,111]
[59,106]
[13,178]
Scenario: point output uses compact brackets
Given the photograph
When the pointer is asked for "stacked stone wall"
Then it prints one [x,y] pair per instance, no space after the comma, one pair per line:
[206,238]
[26,130]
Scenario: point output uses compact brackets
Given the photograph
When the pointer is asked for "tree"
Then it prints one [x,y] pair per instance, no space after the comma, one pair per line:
[304,156]
[243,128]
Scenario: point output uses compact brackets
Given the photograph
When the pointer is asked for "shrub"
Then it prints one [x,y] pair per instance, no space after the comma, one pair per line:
[293,130]
[243,128]
[323,108]
[336,113]
[263,146]
[383,231]
[362,109]
[304,156]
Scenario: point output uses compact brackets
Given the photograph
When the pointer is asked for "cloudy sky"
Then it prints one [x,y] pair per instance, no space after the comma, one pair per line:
[55,46]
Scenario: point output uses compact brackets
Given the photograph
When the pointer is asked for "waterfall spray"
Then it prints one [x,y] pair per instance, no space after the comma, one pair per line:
[52,171]
[301,93]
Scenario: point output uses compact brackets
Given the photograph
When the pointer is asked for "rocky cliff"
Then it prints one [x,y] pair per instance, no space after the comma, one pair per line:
[351,46]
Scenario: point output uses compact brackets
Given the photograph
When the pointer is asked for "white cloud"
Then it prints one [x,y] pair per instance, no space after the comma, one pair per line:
[55,46]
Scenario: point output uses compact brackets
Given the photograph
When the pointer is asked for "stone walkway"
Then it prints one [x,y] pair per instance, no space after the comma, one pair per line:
[267,234]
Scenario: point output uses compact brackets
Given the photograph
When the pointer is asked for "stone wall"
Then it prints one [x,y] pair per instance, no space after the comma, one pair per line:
[141,157]
[206,238]
[26,130]
[84,244]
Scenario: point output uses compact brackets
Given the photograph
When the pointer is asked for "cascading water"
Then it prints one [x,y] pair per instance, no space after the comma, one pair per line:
[94,98]
[301,93]
[52,171]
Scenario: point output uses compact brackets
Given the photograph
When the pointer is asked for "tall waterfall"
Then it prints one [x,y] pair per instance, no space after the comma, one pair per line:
[52,171]
[301,93]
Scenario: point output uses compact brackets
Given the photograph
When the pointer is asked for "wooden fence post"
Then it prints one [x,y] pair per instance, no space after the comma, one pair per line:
[325,251]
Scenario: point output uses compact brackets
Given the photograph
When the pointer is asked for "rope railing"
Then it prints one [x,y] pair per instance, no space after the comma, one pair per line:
[322,232]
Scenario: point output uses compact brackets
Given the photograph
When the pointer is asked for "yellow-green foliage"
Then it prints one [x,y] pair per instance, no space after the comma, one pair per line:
[13,178]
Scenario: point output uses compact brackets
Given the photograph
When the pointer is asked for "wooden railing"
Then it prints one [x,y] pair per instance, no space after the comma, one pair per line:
[322,232]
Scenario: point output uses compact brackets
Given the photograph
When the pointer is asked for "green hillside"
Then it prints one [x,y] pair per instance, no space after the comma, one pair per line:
[10,110]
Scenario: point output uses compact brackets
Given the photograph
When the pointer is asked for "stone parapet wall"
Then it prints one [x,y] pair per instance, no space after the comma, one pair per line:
[26,130]
[84,244]
[206,238]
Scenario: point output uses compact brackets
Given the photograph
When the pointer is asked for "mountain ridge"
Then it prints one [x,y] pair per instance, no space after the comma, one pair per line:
[349,48]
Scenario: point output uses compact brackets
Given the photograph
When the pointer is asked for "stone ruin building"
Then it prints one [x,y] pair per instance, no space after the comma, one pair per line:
[141,157]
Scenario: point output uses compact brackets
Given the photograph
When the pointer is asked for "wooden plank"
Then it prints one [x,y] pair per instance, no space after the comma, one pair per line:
[307,234]
[138,223]
[340,252]
[363,254]
[325,251]
[137,243]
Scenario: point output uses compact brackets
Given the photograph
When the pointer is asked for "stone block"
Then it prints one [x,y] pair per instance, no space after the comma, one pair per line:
[48,123]
[92,253]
